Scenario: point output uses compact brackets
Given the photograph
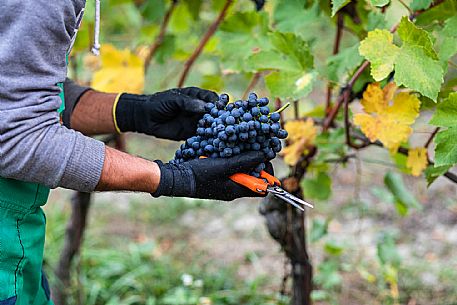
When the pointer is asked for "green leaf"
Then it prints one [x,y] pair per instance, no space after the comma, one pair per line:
[446,112]
[417,5]
[432,172]
[333,247]
[337,5]
[290,84]
[446,147]
[415,70]
[376,20]
[438,13]
[414,36]
[166,49]
[403,198]
[328,275]
[152,11]
[387,251]
[380,3]
[448,47]
[319,229]
[343,64]
[294,49]
[194,7]
[292,15]
[318,188]
[240,36]
[380,51]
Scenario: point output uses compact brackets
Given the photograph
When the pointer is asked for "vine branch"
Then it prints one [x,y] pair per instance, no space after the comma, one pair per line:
[159,39]
[211,30]
[336,48]
[430,139]
[255,79]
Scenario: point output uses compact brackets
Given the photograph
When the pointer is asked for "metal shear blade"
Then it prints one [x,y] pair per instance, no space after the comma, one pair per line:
[288,197]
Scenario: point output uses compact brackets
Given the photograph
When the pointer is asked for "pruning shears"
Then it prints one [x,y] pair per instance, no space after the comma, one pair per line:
[269,184]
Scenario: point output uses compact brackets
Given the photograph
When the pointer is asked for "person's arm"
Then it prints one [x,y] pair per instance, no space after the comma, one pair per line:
[93,114]
[124,172]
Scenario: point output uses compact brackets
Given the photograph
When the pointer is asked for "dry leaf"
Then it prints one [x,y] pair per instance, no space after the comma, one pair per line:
[121,71]
[301,136]
[388,116]
[417,160]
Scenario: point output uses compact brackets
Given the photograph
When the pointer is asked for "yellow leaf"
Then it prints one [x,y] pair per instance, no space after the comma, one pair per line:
[301,137]
[388,116]
[120,71]
[417,160]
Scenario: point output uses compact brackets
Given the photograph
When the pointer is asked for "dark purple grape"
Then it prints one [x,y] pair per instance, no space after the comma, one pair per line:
[243,136]
[275,117]
[263,119]
[255,111]
[230,120]
[263,101]
[214,112]
[230,130]
[196,145]
[209,106]
[247,117]
[235,113]
[265,128]
[228,152]
[264,110]
[282,134]
[255,146]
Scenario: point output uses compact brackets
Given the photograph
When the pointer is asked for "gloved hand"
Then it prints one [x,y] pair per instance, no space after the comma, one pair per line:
[208,178]
[172,114]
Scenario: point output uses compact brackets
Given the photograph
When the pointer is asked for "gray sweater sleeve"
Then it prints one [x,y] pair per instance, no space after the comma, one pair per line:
[34,146]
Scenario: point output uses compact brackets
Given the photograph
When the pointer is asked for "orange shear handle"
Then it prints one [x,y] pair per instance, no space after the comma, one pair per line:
[272,180]
[254,184]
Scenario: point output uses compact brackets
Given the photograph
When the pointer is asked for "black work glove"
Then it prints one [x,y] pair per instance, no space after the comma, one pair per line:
[172,114]
[208,178]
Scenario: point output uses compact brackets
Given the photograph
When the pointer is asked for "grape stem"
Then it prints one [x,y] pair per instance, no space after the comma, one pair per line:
[282,108]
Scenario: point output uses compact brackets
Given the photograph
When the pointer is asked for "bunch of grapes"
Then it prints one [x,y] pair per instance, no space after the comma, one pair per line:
[228,129]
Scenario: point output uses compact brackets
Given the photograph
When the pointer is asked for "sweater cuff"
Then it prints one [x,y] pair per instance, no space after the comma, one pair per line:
[89,154]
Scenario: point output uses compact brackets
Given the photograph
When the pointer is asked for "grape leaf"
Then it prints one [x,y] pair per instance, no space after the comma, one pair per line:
[446,147]
[290,84]
[440,12]
[292,16]
[415,70]
[319,188]
[432,172]
[343,63]
[404,199]
[446,112]
[337,5]
[414,36]
[417,160]
[302,135]
[293,64]
[240,36]
[319,229]
[416,5]
[385,120]
[448,47]
[380,51]
[380,3]
[120,71]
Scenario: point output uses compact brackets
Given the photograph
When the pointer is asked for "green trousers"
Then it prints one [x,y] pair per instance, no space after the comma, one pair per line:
[22,233]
